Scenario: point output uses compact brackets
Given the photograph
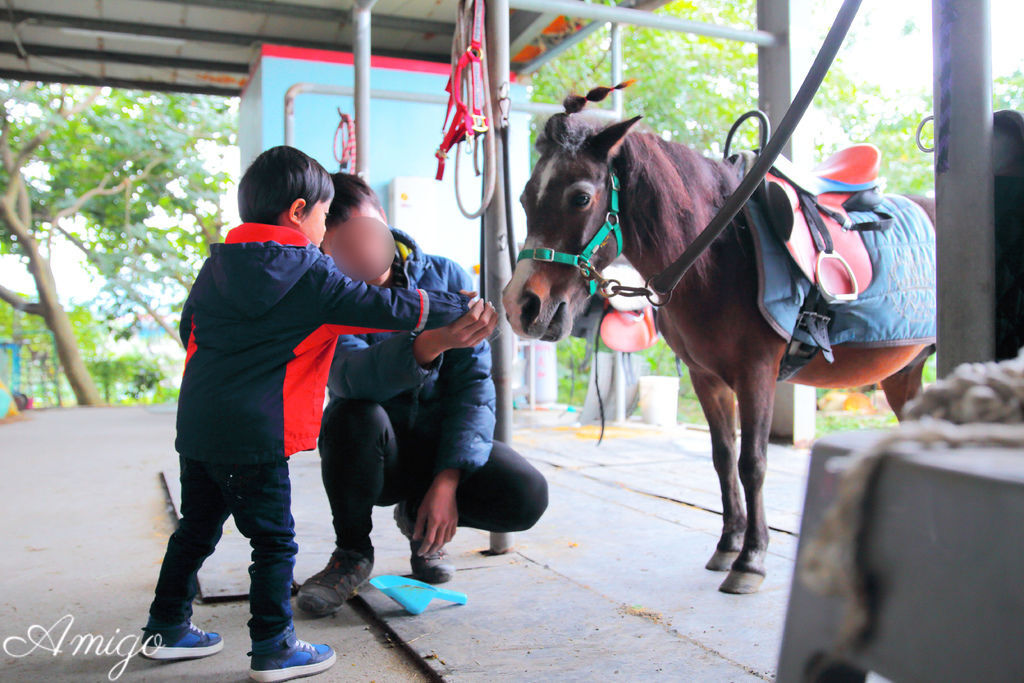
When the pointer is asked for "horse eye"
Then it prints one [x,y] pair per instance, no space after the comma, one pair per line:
[581,200]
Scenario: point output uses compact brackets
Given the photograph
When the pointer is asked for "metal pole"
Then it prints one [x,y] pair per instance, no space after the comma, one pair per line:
[779,69]
[775,72]
[541,108]
[636,17]
[498,269]
[361,59]
[616,51]
[964,186]
[532,346]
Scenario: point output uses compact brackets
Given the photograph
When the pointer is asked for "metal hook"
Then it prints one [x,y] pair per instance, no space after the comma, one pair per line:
[917,136]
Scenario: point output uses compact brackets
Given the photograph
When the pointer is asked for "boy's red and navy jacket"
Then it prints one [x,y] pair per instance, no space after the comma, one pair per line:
[261,324]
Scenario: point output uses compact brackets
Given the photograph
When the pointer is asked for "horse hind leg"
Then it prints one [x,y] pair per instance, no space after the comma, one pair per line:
[904,385]
[719,405]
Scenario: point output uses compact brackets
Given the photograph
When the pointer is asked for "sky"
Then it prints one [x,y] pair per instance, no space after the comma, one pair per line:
[885,52]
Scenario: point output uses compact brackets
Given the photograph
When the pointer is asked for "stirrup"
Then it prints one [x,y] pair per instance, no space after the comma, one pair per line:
[831,297]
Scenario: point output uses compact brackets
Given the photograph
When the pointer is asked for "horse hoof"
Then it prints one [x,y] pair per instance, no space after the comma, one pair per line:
[741,583]
[722,560]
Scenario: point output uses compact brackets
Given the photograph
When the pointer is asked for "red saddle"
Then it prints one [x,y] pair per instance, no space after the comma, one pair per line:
[855,165]
[845,272]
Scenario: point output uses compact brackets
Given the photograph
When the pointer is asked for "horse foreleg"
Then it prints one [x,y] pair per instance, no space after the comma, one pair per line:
[719,404]
[756,399]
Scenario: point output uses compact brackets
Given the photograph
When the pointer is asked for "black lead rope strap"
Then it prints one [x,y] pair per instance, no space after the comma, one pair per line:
[819,231]
[664,282]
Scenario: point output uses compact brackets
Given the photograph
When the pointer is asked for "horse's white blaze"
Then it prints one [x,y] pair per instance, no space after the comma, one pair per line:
[514,289]
[546,173]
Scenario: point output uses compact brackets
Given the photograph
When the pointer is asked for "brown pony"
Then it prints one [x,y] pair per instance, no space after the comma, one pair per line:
[712,322]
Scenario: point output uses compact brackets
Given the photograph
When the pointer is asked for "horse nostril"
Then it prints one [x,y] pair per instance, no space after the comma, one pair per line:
[530,308]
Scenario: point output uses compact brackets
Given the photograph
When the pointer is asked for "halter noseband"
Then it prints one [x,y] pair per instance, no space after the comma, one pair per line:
[581,261]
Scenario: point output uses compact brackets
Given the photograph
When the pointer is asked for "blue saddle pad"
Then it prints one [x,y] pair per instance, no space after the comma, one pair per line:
[898,305]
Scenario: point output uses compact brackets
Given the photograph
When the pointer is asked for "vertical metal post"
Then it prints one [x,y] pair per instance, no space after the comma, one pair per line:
[616,51]
[619,387]
[361,59]
[498,270]
[780,68]
[964,186]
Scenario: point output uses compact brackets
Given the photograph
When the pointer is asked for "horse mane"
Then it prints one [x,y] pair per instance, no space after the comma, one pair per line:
[669,191]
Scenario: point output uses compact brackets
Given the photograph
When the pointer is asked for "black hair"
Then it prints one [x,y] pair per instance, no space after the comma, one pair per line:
[350,193]
[275,179]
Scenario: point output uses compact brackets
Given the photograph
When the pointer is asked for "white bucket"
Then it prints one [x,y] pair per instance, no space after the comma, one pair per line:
[659,400]
[546,372]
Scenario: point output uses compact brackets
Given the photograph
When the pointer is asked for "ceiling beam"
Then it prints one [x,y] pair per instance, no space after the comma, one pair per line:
[171,62]
[341,16]
[637,17]
[126,83]
[570,40]
[525,27]
[134,28]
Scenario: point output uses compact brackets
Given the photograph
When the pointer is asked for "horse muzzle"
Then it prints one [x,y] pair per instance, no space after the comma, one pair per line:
[533,311]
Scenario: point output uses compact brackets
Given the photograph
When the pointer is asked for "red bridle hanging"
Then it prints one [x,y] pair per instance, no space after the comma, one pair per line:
[464,121]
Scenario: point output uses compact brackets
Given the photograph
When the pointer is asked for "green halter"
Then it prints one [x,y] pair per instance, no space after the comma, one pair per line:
[582,260]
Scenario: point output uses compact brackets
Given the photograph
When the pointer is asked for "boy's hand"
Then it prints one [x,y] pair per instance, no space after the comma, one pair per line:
[466,332]
[438,515]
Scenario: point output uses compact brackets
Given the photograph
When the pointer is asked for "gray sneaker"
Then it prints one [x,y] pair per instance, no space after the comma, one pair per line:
[326,591]
[434,568]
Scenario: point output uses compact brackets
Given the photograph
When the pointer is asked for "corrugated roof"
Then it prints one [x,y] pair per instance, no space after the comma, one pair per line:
[208,45]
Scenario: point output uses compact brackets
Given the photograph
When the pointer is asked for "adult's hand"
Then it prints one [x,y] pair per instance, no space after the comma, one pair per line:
[466,332]
[438,514]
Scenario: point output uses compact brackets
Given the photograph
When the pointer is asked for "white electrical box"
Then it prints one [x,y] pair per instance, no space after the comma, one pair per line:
[426,210]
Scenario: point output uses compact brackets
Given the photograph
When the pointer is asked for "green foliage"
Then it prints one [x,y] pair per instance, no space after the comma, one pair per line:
[122,376]
[689,89]
[574,374]
[1008,91]
[133,377]
[127,180]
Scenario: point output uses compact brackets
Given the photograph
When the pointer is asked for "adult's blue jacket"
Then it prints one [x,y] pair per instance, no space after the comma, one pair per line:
[454,397]
[261,324]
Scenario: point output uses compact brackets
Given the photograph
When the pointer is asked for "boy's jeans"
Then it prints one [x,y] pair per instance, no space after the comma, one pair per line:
[259,498]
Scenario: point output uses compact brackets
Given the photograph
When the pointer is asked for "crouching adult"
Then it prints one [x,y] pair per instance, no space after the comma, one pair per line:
[410,420]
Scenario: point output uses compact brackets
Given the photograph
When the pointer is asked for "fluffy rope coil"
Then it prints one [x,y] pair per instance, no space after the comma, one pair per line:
[977,405]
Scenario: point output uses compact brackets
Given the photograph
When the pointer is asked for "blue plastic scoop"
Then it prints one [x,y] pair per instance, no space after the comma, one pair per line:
[413,595]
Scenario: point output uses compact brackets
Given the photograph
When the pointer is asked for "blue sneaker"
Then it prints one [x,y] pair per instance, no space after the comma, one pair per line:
[180,642]
[290,658]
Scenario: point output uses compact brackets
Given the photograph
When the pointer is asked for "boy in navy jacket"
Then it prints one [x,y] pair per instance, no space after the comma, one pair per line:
[261,323]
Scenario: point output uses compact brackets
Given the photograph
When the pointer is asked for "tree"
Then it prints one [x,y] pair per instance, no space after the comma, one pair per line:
[690,89]
[122,176]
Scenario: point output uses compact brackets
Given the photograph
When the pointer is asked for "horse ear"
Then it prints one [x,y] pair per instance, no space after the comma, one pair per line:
[605,145]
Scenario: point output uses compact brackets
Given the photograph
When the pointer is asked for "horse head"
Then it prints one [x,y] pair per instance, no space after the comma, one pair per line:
[568,202]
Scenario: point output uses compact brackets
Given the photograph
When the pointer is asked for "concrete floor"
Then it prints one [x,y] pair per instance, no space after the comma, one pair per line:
[609,584]
[86,522]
